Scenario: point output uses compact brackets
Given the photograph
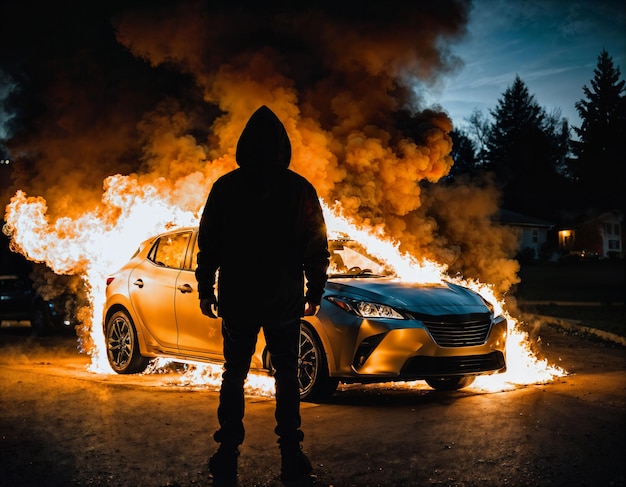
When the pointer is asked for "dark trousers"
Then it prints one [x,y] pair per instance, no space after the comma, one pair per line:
[282,340]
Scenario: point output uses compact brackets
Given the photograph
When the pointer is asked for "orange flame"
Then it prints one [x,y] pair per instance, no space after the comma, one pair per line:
[522,366]
[98,242]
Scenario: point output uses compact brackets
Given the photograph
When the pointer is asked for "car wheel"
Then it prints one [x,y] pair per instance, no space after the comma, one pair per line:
[449,383]
[122,345]
[315,382]
[40,319]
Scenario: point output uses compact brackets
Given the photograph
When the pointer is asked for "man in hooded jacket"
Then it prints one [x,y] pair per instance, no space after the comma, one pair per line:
[263,229]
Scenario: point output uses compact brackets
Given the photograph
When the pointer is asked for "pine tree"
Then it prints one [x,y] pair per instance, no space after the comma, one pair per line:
[517,119]
[524,149]
[598,166]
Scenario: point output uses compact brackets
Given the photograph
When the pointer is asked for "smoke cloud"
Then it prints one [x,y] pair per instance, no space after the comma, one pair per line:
[179,80]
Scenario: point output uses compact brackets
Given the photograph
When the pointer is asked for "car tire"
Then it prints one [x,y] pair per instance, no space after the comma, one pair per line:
[40,319]
[315,382]
[122,345]
[450,383]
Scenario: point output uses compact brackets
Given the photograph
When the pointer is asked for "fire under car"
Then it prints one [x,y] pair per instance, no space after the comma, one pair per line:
[371,327]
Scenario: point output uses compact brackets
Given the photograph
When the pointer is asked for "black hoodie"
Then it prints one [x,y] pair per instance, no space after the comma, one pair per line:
[263,228]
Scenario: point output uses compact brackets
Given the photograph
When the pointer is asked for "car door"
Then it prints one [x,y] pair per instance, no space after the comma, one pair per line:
[153,288]
[198,335]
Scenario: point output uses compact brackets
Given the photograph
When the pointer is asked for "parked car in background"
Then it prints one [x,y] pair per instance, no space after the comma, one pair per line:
[371,327]
[19,301]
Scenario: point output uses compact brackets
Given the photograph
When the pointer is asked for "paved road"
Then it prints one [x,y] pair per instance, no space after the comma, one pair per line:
[61,426]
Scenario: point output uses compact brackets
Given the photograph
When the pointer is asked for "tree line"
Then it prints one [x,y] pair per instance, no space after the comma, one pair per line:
[531,156]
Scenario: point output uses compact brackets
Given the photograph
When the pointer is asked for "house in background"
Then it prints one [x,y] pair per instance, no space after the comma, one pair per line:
[533,233]
[599,236]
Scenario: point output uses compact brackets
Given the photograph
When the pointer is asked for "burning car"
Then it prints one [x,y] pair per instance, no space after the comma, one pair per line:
[371,326]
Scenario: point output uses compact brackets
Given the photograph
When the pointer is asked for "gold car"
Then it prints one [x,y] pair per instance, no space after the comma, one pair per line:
[371,327]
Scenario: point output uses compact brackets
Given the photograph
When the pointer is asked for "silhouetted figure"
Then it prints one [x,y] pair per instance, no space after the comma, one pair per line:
[264,230]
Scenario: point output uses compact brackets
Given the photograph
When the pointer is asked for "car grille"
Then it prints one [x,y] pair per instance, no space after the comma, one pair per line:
[420,367]
[457,331]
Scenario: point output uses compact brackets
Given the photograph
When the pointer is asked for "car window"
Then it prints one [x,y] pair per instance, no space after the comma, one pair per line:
[194,256]
[169,250]
[349,258]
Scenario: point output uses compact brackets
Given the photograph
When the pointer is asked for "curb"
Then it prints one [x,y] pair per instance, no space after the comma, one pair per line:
[576,325]
[522,302]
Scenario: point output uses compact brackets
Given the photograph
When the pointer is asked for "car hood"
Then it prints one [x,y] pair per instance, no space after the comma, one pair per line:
[433,299]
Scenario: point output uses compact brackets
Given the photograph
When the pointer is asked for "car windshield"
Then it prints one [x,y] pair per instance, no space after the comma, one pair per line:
[350,259]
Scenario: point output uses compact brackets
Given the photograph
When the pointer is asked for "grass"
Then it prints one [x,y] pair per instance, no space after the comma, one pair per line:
[592,293]
[610,318]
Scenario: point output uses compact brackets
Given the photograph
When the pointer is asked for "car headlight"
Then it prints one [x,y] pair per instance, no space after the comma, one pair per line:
[366,309]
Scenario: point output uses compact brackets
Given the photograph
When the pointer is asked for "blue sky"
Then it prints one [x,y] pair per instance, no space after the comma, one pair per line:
[552,45]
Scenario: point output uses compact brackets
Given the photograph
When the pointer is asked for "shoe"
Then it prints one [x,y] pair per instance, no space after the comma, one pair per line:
[296,469]
[223,467]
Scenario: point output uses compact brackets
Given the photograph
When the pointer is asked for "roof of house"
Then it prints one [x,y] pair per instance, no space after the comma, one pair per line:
[595,217]
[507,217]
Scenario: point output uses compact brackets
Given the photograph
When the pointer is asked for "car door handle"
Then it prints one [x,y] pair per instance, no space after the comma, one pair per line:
[138,283]
[185,288]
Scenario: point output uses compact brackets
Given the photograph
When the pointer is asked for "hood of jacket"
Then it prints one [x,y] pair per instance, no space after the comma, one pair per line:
[264,143]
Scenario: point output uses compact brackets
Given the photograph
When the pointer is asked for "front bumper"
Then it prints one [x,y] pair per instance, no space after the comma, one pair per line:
[384,351]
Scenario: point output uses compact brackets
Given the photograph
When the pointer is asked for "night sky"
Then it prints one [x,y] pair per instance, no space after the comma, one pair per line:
[552,45]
